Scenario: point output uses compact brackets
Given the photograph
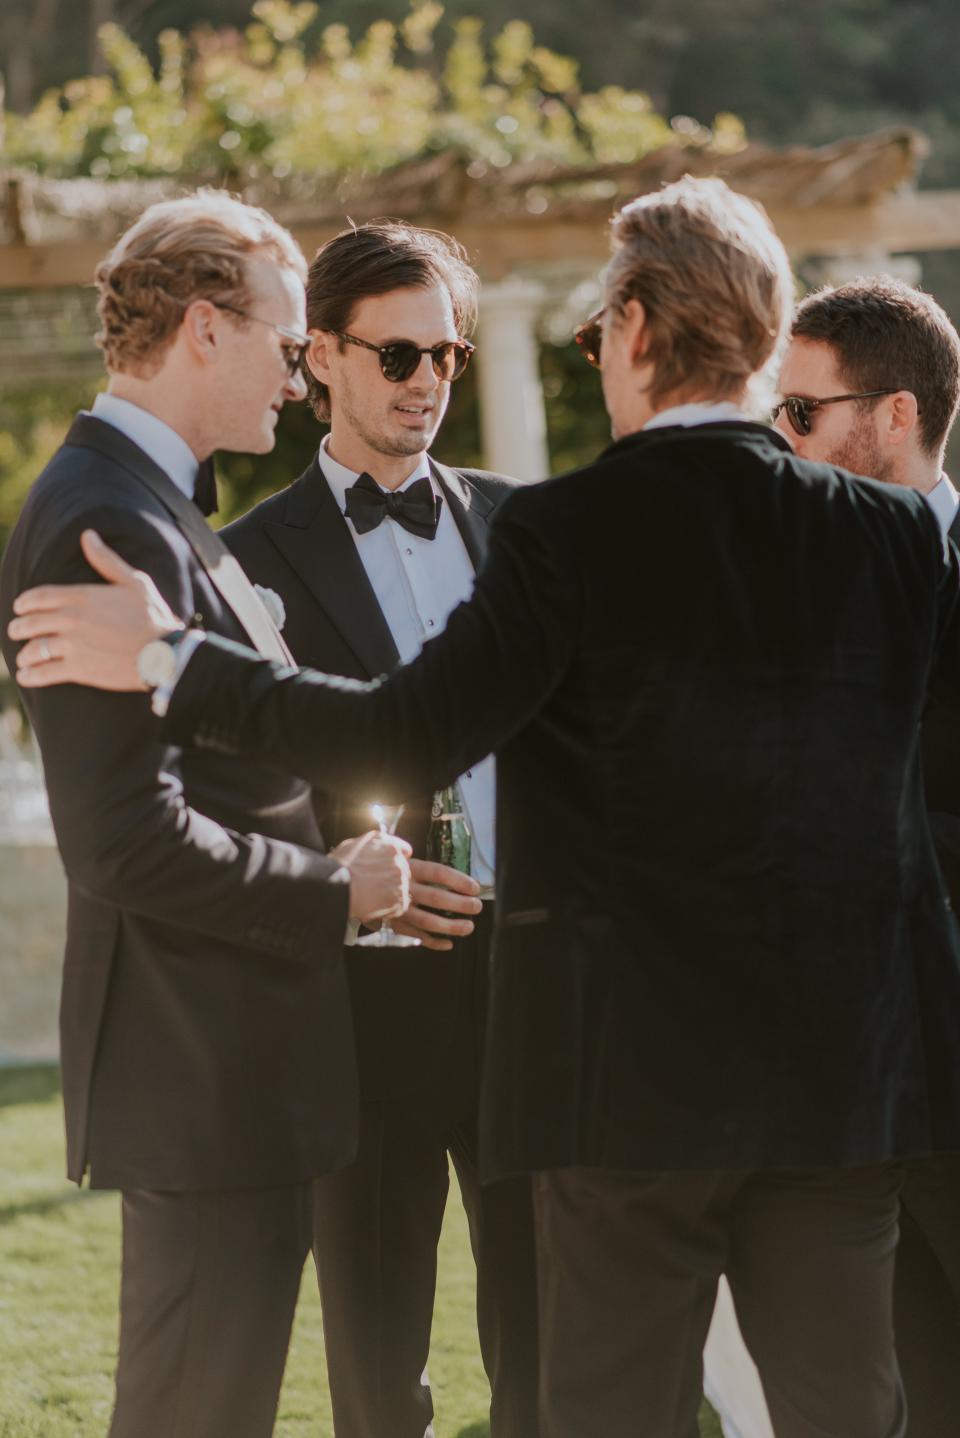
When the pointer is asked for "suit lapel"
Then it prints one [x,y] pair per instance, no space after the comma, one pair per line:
[470,509]
[316,542]
[224,571]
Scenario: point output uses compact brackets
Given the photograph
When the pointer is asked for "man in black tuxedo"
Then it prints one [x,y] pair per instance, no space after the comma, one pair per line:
[208,1065]
[369,550]
[725,995]
[881,338]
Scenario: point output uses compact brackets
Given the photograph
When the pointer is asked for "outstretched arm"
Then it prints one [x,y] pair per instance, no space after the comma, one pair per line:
[500,656]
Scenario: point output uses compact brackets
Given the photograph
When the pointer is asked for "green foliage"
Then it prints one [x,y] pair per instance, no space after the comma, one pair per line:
[234,105]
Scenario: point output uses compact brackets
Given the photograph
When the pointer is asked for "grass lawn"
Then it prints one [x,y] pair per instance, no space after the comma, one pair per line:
[59,1266]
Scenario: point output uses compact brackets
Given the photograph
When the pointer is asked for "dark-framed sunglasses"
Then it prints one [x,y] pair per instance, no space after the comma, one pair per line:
[293,352]
[400,358]
[799,409]
[588,337]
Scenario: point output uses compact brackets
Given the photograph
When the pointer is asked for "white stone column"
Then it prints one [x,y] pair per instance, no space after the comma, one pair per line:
[512,416]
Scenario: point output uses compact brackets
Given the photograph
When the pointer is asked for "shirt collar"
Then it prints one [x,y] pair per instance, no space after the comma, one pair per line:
[340,478]
[944,501]
[158,441]
[697,413]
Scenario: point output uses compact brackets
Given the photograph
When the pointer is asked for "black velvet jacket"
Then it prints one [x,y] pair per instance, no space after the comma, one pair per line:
[723,938]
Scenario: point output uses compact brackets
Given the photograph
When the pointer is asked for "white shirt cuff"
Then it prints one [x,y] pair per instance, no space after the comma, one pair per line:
[184,652]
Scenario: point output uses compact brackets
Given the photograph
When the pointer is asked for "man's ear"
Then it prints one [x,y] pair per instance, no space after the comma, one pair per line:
[317,355]
[900,416]
[633,319]
[199,328]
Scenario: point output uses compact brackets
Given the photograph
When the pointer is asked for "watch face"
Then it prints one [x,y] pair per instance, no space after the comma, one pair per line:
[156,663]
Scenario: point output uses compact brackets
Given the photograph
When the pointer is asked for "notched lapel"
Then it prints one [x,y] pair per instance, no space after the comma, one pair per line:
[470,508]
[316,542]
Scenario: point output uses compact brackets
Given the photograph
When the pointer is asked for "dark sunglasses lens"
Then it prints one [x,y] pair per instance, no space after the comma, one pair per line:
[398,361]
[798,414]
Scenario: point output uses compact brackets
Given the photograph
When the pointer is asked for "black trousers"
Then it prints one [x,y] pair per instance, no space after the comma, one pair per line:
[927,1295]
[628,1267]
[376,1230]
[208,1290]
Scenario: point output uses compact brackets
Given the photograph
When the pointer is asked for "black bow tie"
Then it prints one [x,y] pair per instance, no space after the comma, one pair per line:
[205,489]
[416,508]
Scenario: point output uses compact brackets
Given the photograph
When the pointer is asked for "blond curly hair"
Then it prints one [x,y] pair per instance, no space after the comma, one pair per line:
[176,252]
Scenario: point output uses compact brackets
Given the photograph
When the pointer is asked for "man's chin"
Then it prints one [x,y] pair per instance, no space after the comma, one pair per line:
[409,442]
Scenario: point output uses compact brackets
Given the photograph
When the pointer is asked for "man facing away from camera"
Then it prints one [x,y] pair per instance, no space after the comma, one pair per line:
[725,987]
[206,1048]
[369,550]
[871,382]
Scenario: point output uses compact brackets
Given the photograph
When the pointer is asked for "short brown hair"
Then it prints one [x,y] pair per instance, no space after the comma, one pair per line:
[176,252]
[715,283]
[373,259]
[887,335]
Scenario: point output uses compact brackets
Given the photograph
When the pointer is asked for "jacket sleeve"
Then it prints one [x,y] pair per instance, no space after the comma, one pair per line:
[125,832]
[499,658]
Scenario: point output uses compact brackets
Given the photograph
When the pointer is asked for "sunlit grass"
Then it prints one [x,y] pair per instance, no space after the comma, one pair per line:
[59,1275]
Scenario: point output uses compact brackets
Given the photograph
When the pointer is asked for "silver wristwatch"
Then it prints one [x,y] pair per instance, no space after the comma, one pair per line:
[157,661]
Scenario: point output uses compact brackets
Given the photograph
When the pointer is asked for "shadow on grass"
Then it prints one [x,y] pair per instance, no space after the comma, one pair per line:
[42,1207]
[475,1430]
[29,1083]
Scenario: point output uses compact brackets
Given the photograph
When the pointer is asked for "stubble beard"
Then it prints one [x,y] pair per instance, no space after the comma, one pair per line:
[860,454]
[398,443]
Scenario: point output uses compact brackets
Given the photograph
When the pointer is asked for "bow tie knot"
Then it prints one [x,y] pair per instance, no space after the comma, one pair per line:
[417,509]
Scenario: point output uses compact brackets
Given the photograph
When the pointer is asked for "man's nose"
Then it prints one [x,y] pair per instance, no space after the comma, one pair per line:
[424,376]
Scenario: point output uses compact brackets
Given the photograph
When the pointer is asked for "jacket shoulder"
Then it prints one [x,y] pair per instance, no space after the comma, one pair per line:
[77,483]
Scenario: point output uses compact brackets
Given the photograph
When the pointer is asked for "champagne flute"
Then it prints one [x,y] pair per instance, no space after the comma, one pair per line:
[386,817]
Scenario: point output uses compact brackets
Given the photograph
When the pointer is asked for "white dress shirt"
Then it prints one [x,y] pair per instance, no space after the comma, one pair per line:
[700,412]
[418,583]
[162,444]
[944,501]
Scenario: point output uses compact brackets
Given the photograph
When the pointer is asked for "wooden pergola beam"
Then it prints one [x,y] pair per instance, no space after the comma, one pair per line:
[913,221]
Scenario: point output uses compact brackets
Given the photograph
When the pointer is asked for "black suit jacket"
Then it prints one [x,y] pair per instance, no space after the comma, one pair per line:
[722,939]
[941,766]
[299,544]
[205,1024]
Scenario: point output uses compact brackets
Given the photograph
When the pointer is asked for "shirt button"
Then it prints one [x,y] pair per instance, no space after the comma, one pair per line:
[430,624]
[469,773]
[408,551]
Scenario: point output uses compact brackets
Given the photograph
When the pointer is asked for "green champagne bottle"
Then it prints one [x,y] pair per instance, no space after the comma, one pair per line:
[448,836]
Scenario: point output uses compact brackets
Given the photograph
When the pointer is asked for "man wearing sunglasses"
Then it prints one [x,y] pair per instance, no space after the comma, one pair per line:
[206,1051]
[725,987]
[886,359]
[369,550]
